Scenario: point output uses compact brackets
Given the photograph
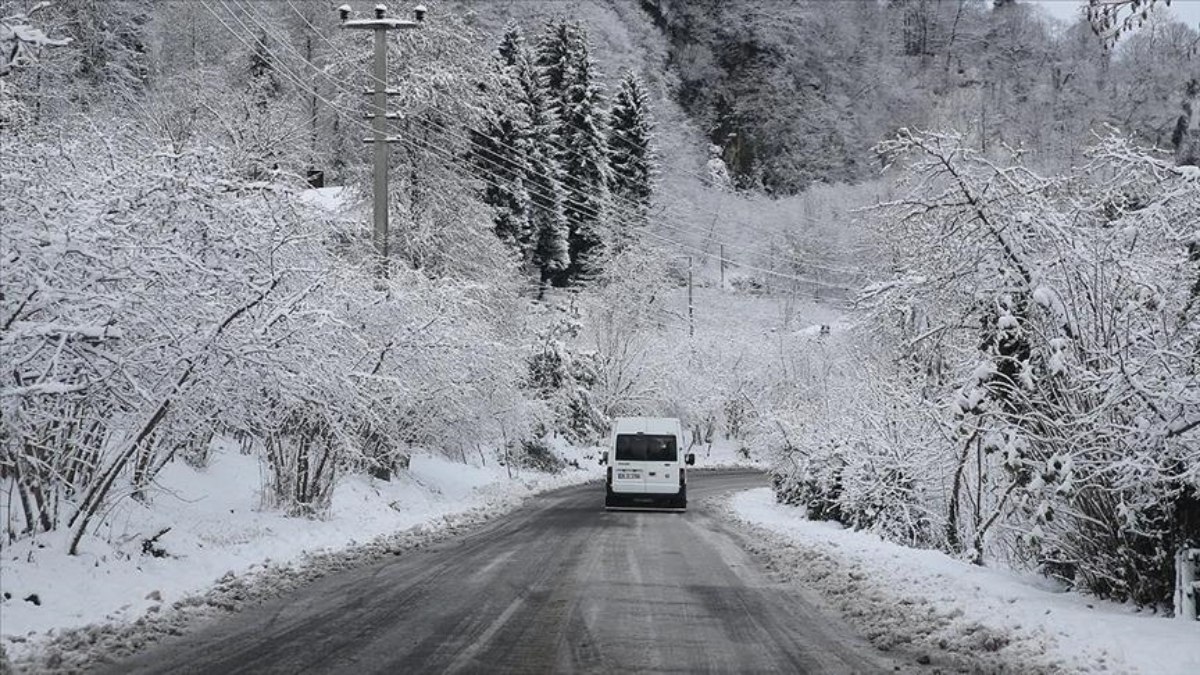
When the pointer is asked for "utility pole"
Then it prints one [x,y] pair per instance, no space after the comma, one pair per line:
[379,115]
[691,309]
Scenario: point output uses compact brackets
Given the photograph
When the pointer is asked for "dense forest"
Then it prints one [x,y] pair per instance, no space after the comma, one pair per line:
[995,213]
[800,92]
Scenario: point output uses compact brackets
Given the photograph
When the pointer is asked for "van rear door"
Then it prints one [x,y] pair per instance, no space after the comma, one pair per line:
[628,471]
[646,463]
[662,464]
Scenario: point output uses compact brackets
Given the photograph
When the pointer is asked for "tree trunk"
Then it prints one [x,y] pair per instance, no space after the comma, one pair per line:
[953,542]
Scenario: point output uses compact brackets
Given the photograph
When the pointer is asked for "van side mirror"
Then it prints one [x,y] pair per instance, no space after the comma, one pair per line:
[604,457]
[689,459]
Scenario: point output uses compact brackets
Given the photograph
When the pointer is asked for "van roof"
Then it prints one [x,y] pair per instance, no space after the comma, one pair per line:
[646,425]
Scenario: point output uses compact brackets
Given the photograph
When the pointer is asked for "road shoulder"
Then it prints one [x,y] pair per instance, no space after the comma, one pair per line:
[950,614]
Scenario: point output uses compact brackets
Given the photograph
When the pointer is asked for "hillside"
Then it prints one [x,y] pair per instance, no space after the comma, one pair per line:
[810,237]
[280,278]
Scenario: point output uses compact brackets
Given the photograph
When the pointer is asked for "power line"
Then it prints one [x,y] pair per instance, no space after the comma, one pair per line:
[449,158]
[349,116]
[453,161]
[677,222]
[422,144]
[668,223]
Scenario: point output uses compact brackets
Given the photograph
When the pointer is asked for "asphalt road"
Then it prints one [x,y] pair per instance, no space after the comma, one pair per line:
[559,586]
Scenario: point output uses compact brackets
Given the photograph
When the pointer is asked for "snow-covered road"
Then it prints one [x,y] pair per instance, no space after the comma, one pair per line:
[560,586]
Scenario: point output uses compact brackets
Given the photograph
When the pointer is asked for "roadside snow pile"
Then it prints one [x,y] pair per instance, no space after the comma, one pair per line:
[958,615]
[63,612]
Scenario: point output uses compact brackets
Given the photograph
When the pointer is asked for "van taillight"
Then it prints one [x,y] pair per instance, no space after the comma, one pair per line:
[609,479]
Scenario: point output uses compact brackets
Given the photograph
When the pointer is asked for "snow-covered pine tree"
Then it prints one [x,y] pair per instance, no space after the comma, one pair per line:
[630,154]
[512,45]
[543,177]
[496,159]
[568,73]
[556,50]
[496,155]
[586,162]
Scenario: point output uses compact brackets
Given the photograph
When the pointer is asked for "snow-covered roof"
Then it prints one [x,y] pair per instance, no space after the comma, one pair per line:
[646,425]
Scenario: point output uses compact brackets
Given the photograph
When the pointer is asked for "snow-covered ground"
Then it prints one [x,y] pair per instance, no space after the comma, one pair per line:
[958,614]
[219,535]
[724,453]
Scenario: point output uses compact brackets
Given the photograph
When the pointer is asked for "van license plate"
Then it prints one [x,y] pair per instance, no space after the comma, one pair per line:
[628,475]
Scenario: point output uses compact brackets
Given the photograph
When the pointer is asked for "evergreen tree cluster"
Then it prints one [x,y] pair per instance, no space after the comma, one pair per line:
[568,178]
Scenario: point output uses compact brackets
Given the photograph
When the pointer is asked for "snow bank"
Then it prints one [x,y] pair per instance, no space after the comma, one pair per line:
[959,614]
[220,535]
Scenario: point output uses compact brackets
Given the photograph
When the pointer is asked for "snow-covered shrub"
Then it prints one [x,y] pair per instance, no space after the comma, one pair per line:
[155,298]
[814,483]
[845,450]
[20,40]
[1045,325]
[1022,387]
[563,376]
[130,305]
[538,455]
[880,492]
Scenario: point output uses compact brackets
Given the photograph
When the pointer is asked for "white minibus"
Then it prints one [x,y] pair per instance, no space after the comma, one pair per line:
[646,463]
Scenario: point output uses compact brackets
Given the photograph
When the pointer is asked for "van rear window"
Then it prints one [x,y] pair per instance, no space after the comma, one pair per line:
[646,448]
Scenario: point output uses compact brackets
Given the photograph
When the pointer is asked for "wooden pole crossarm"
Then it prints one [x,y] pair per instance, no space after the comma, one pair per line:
[380,23]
